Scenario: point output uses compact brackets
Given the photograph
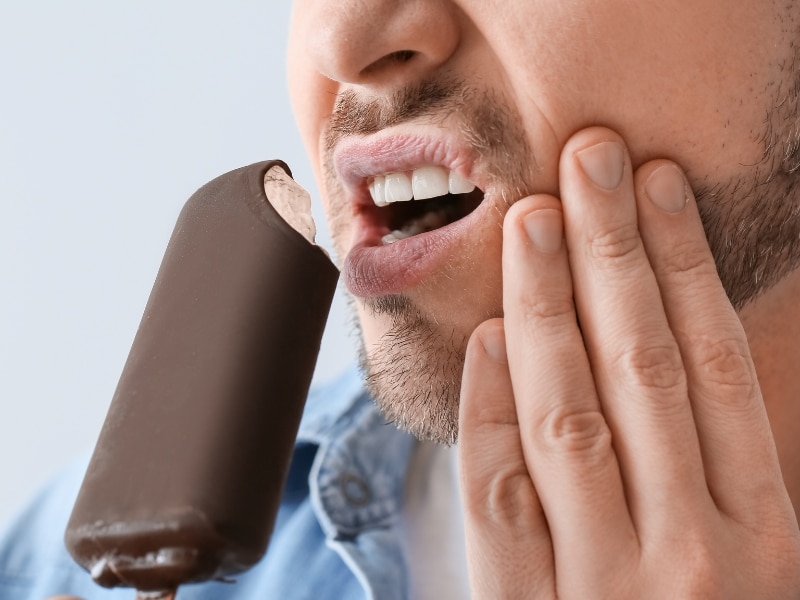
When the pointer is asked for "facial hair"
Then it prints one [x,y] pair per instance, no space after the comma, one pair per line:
[414,373]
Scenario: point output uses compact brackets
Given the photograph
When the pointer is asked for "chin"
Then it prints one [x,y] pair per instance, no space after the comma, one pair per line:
[413,370]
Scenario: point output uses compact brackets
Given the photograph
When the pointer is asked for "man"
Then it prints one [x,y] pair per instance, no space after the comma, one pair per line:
[625,412]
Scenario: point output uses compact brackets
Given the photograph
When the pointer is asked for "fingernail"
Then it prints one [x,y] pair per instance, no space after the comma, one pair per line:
[603,163]
[666,188]
[545,229]
[494,342]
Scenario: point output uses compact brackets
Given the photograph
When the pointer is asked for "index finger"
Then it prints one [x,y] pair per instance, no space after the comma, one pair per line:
[565,438]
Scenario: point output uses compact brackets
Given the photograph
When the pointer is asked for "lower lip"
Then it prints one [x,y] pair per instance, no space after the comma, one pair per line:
[373,269]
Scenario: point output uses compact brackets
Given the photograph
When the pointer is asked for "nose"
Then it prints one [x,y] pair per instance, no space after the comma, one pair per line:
[381,42]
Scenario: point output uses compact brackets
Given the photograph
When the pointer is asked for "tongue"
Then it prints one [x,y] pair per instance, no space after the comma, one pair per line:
[427,222]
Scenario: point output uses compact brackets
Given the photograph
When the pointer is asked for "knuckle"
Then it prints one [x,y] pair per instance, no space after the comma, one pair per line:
[690,258]
[723,371]
[703,570]
[492,418]
[548,308]
[510,499]
[701,576]
[726,361]
[696,561]
[616,243]
[506,499]
[654,367]
[569,431]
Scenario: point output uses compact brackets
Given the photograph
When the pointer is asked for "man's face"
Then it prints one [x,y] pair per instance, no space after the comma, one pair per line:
[488,92]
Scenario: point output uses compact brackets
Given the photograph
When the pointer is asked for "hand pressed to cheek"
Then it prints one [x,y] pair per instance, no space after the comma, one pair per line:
[642,430]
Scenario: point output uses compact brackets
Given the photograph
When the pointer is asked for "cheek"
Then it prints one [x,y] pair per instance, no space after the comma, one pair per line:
[312,96]
[681,80]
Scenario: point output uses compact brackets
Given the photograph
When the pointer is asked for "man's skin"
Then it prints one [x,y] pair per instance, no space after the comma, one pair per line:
[614,437]
[626,428]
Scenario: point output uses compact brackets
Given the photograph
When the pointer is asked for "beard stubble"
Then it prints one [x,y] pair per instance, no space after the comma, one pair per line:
[414,372]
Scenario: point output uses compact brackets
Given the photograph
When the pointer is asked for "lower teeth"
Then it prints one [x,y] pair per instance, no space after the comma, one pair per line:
[428,222]
[391,238]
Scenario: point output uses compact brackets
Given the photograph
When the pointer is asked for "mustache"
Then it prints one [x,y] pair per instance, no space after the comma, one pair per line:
[353,115]
[488,123]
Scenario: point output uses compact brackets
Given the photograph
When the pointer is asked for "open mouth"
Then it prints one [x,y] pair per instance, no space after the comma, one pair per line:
[420,216]
[419,201]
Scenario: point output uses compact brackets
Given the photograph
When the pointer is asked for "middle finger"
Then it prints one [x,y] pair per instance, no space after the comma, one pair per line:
[635,360]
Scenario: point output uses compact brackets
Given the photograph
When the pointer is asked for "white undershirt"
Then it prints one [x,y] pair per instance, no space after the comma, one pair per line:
[432,525]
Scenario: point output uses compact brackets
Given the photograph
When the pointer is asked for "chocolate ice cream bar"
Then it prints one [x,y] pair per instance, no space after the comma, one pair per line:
[186,477]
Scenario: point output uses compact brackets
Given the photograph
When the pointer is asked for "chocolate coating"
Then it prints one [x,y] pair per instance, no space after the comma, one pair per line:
[187,474]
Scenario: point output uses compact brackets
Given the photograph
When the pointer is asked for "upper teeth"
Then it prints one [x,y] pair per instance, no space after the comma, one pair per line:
[424,183]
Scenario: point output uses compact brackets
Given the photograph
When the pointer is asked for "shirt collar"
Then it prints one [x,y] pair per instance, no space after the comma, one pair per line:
[328,403]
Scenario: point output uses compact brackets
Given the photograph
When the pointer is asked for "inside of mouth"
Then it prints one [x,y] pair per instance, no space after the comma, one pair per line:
[404,219]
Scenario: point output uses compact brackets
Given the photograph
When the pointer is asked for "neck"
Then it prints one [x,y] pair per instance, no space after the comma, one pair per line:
[772,324]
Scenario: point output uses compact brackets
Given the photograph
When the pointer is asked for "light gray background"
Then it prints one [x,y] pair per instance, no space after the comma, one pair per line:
[111,115]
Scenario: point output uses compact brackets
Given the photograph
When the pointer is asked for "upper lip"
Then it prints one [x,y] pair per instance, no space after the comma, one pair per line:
[359,159]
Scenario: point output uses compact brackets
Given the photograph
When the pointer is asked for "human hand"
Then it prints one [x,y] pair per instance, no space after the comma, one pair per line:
[613,437]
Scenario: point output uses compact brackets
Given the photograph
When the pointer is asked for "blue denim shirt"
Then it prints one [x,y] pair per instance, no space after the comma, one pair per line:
[335,537]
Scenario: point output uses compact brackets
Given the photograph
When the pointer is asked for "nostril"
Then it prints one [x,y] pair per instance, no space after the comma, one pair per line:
[402,55]
[395,58]
[415,38]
